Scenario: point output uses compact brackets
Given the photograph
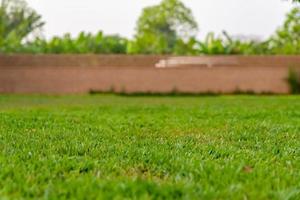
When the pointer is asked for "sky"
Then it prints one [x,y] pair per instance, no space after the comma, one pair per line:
[255,18]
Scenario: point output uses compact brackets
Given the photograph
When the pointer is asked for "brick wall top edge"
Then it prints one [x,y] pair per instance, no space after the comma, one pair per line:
[92,60]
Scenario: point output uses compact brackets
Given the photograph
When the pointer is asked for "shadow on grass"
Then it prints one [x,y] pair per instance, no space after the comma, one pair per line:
[178,94]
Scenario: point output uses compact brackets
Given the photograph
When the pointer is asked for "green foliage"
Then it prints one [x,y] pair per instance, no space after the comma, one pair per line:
[109,147]
[287,38]
[186,47]
[226,45]
[83,43]
[17,22]
[294,81]
[166,28]
[160,28]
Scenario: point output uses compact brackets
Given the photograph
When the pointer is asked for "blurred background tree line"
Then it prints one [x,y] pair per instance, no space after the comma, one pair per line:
[167,28]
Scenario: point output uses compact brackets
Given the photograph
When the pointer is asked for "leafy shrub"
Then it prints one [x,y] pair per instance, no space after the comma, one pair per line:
[83,43]
[226,45]
[294,81]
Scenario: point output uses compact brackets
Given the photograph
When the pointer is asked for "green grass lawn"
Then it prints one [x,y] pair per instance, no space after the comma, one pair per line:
[114,147]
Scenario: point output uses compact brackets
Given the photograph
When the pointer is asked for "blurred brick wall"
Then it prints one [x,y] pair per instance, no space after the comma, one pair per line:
[59,74]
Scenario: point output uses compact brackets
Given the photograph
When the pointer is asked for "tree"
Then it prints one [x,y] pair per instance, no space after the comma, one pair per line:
[161,26]
[17,22]
[287,38]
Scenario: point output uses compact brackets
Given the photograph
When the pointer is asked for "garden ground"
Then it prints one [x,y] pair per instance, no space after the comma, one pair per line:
[106,146]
